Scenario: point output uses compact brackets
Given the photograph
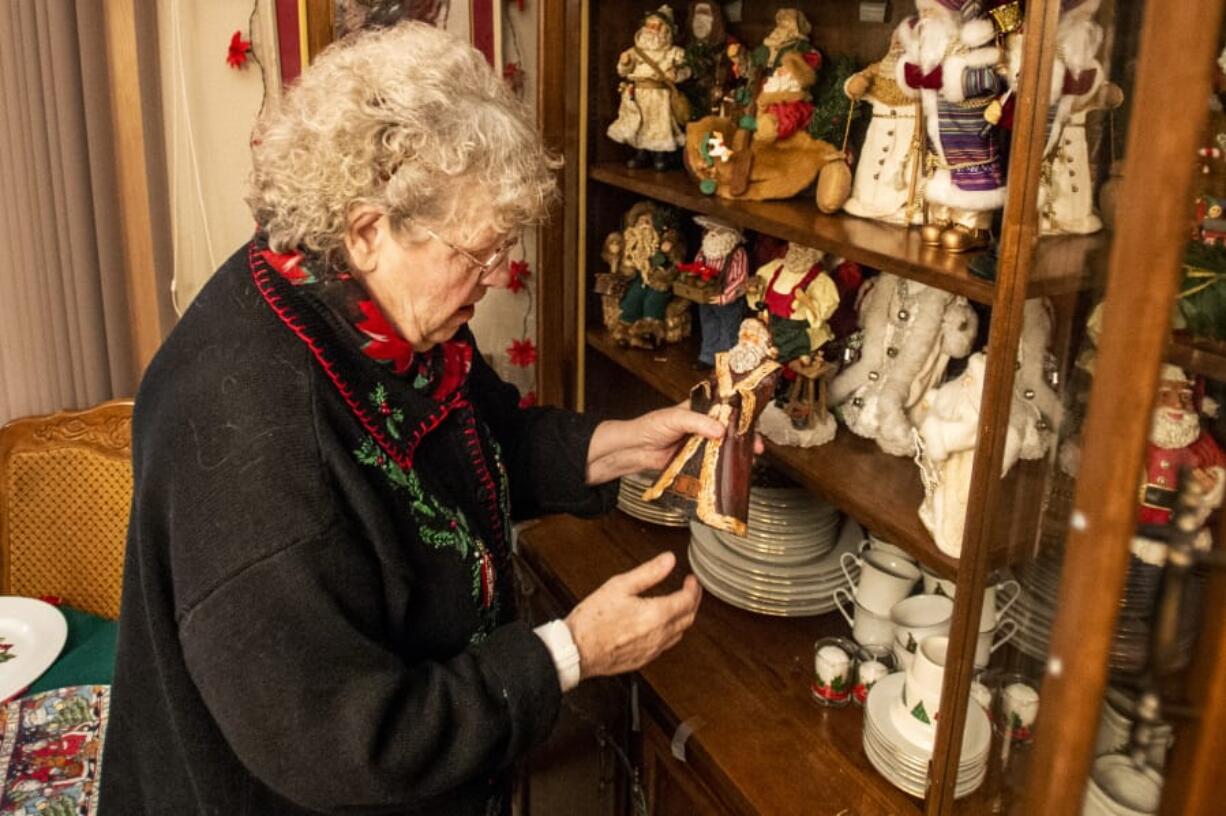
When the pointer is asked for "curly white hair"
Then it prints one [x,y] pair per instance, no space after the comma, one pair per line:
[406,119]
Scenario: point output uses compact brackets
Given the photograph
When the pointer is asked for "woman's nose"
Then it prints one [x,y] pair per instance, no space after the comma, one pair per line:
[499,276]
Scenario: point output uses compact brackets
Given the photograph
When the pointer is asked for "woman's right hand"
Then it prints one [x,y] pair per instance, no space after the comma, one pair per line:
[616,630]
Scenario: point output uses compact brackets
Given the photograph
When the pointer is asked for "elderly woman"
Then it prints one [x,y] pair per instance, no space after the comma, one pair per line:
[318,611]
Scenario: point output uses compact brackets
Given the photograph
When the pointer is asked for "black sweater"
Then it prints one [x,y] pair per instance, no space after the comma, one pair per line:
[318,607]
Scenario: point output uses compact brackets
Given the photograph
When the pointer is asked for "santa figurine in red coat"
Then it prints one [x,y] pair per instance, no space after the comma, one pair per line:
[1177,442]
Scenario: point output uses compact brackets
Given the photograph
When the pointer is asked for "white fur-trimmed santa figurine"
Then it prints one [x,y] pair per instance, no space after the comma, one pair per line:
[910,333]
[1066,198]
[889,179]
[954,68]
[948,421]
[1178,443]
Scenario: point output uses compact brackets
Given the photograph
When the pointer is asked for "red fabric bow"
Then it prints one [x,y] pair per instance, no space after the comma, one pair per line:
[1078,84]
[916,77]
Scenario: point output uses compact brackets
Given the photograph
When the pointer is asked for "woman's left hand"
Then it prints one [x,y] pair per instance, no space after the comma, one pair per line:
[647,443]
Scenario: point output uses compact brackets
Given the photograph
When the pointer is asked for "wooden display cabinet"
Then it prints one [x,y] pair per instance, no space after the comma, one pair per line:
[761,745]
[739,681]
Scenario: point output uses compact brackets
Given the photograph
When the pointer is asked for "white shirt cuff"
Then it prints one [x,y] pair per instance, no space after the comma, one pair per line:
[561,646]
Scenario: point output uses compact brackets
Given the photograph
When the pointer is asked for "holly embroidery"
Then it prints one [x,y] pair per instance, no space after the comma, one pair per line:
[392,417]
[439,526]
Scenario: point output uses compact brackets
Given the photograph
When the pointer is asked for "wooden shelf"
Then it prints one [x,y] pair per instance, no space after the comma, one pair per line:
[775,751]
[1064,263]
[880,491]
[1198,355]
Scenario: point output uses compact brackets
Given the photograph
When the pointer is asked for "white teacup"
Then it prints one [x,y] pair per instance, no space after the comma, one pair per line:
[920,616]
[989,614]
[883,547]
[867,627]
[922,685]
[993,639]
[902,656]
[936,585]
[885,579]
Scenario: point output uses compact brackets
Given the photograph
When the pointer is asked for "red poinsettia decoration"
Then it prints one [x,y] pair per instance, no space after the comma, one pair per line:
[527,400]
[520,272]
[239,48]
[513,74]
[383,342]
[522,352]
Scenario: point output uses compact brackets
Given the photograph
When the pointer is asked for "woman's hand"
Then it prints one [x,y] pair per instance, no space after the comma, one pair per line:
[616,630]
[646,443]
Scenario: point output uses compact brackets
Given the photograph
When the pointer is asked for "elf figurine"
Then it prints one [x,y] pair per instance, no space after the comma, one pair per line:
[650,72]
[797,299]
[889,177]
[951,67]
[723,263]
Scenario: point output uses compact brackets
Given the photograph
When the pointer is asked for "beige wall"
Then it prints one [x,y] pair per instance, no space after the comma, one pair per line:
[208,111]
[212,107]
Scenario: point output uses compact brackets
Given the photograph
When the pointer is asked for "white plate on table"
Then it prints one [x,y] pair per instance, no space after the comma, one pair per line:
[32,634]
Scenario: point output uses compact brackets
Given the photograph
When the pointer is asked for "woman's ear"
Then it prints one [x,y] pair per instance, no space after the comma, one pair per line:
[364,232]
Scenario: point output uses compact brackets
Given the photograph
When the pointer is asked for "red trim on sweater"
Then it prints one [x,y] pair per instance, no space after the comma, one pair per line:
[261,273]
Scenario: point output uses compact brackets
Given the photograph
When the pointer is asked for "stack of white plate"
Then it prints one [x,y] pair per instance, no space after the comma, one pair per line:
[630,502]
[786,525]
[900,753]
[1034,611]
[772,584]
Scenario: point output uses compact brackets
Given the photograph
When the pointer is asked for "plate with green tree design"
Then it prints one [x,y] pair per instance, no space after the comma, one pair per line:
[32,634]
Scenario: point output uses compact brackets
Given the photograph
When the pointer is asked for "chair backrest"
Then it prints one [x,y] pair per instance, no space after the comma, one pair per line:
[65,496]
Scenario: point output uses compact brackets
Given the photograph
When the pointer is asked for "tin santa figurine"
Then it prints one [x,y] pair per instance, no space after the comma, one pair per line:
[709,478]
[715,280]
[796,296]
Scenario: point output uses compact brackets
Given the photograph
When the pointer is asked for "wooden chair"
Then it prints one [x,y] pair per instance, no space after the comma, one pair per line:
[65,495]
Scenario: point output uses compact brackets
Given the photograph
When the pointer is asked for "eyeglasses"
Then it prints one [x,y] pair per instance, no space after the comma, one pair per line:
[487,267]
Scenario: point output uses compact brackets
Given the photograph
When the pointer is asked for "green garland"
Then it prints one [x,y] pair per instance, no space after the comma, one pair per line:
[1201,305]
[830,105]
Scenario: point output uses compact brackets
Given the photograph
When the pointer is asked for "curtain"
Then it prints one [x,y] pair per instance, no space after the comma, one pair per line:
[64,335]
